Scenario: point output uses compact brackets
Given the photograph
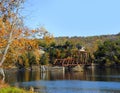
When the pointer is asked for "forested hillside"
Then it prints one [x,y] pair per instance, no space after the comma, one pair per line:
[90,43]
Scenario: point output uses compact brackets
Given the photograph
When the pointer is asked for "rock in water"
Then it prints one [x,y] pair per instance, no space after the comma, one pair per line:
[77,68]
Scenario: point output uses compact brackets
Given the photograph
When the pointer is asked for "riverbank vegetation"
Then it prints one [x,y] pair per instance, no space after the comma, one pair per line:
[5,88]
[18,44]
[108,53]
[103,50]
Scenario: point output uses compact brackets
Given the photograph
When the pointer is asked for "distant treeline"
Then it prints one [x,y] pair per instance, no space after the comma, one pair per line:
[110,44]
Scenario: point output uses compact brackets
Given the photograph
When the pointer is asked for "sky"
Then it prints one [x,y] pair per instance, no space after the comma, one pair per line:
[73,17]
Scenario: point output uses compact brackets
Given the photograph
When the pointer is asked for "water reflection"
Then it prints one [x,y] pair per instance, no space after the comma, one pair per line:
[88,75]
[102,80]
[27,75]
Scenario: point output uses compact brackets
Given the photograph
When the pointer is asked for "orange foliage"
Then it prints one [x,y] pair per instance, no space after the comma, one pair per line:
[21,41]
[3,84]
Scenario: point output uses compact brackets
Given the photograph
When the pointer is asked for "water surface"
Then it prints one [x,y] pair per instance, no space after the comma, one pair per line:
[88,81]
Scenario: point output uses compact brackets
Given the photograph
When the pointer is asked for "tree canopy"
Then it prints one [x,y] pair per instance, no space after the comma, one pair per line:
[108,53]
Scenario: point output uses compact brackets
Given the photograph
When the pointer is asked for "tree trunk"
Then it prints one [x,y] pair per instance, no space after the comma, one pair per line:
[2,72]
[6,49]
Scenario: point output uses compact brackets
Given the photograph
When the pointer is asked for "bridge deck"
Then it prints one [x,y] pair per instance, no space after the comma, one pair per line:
[83,58]
[69,62]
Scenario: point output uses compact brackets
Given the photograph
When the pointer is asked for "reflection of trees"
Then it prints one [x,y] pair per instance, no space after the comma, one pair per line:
[71,75]
[37,75]
[28,75]
[75,75]
[2,77]
[20,76]
[87,74]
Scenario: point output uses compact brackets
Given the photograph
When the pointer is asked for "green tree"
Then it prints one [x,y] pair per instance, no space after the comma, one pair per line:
[44,59]
[108,53]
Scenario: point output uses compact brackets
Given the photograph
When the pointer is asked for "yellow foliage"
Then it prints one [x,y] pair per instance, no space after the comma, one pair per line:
[37,55]
[19,42]
[48,39]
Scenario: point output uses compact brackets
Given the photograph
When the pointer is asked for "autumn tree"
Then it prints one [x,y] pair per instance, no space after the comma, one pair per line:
[15,39]
[10,24]
[26,46]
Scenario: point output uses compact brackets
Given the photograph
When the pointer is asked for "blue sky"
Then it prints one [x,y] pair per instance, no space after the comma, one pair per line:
[74,17]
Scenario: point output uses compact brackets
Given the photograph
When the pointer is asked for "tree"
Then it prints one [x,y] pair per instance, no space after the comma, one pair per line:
[44,59]
[26,48]
[108,53]
[15,39]
[10,23]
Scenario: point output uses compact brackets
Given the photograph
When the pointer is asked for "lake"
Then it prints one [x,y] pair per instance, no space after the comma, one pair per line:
[88,81]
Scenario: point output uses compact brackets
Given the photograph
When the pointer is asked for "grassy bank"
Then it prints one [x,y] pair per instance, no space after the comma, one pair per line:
[12,90]
[5,88]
